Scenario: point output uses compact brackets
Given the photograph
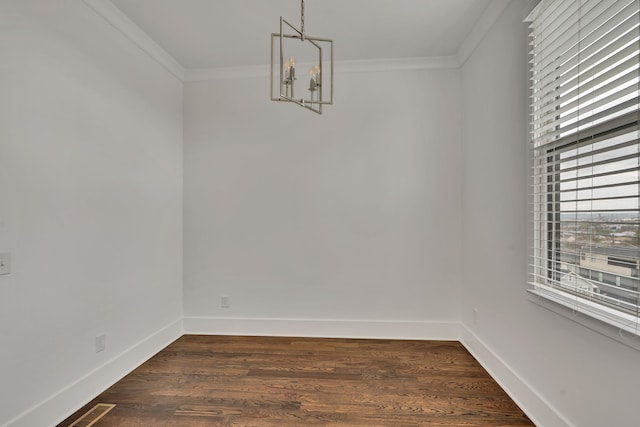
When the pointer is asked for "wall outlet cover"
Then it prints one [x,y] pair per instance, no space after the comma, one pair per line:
[101,343]
[225,302]
[5,263]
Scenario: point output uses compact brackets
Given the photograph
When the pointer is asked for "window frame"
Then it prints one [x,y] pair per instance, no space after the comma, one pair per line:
[599,317]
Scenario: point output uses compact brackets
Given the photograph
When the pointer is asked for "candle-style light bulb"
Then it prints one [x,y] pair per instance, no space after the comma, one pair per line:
[292,70]
[312,81]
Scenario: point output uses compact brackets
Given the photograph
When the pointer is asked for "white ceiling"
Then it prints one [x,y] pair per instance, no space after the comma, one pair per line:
[209,34]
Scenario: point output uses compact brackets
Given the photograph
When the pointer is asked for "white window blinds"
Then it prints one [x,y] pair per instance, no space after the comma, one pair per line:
[585,57]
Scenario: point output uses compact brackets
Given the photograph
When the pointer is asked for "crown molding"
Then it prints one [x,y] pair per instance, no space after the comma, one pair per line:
[397,64]
[225,73]
[121,22]
[342,67]
[480,29]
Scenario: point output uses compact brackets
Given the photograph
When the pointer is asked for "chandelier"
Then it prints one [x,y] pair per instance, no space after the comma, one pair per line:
[313,53]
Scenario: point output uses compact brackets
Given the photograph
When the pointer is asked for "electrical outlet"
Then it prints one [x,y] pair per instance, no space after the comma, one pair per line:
[225,302]
[101,343]
[5,263]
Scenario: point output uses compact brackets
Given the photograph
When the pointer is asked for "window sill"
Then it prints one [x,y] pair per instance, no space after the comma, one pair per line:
[617,326]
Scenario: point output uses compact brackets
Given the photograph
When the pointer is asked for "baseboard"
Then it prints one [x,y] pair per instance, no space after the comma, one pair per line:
[323,328]
[61,405]
[539,410]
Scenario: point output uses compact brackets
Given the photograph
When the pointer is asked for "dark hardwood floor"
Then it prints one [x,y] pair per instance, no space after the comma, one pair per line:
[256,381]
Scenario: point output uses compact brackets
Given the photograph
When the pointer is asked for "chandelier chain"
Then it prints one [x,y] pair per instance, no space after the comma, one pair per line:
[302,16]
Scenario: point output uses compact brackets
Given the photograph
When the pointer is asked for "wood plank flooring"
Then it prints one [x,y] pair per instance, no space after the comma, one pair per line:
[202,381]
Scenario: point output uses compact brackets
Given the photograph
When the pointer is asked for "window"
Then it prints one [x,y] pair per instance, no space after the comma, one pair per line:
[621,262]
[585,79]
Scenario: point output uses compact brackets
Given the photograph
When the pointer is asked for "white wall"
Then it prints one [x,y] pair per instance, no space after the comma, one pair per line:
[353,215]
[409,189]
[90,200]
[588,378]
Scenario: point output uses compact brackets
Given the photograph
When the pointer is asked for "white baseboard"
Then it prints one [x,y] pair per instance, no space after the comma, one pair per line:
[323,328]
[535,406]
[71,398]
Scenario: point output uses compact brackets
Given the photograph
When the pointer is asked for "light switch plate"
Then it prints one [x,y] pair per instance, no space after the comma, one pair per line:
[5,263]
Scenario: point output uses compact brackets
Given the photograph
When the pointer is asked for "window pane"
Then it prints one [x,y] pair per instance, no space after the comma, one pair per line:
[586,172]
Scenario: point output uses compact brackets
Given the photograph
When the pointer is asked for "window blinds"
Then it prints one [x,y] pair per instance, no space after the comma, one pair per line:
[585,79]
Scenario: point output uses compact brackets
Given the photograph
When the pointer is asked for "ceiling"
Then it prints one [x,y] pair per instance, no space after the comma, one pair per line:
[210,34]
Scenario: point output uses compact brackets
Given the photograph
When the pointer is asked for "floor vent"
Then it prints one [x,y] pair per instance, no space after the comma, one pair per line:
[94,414]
